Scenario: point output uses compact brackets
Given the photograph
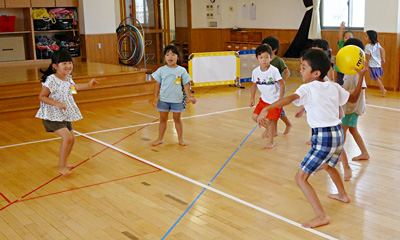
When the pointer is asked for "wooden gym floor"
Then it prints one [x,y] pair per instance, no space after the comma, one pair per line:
[224,185]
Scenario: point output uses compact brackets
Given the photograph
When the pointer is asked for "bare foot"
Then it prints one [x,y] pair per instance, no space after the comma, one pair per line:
[183,142]
[338,197]
[316,222]
[347,174]
[64,171]
[270,146]
[287,130]
[308,142]
[70,165]
[265,134]
[157,142]
[383,93]
[361,157]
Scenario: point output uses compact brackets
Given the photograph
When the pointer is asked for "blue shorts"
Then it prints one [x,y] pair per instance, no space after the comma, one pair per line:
[327,145]
[167,106]
[350,119]
[282,113]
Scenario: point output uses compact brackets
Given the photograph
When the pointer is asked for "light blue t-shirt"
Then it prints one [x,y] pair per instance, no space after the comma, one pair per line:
[171,89]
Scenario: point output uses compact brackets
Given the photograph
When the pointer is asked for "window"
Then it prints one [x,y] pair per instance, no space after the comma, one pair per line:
[352,12]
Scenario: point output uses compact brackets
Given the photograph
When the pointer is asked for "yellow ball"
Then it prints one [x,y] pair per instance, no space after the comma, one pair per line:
[348,58]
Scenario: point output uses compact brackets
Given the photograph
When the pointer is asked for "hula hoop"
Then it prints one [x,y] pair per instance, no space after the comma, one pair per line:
[130,34]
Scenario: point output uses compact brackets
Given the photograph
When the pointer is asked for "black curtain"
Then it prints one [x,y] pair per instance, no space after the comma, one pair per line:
[301,41]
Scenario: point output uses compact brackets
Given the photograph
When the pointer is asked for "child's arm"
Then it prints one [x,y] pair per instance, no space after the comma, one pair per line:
[262,117]
[354,94]
[383,54]
[157,86]
[286,74]
[191,99]
[44,97]
[253,94]
[281,89]
[81,86]
[340,35]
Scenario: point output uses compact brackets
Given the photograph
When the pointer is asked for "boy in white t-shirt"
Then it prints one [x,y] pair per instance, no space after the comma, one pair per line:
[321,100]
[269,82]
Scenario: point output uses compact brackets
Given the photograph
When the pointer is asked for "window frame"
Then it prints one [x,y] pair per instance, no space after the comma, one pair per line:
[338,27]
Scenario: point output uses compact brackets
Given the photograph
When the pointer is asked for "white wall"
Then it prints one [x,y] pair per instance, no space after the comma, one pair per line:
[282,14]
[382,15]
[99,16]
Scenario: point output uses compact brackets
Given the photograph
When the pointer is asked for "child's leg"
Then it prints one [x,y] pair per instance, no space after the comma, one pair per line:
[70,165]
[179,127]
[360,143]
[320,218]
[343,158]
[381,87]
[271,129]
[67,137]
[265,133]
[287,122]
[335,176]
[161,128]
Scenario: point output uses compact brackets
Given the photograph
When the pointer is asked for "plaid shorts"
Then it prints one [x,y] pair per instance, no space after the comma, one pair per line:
[327,145]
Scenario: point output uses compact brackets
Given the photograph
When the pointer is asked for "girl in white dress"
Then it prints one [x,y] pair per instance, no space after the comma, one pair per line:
[57,105]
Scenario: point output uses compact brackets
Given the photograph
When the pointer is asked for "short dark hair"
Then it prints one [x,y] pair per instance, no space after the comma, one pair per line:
[262,49]
[354,41]
[373,36]
[175,50]
[273,42]
[318,60]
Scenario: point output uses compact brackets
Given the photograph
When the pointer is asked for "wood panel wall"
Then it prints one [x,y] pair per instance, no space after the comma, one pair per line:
[108,52]
[210,40]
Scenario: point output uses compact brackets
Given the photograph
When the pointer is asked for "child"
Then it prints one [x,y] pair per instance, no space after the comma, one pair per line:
[352,111]
[171,81]
[321,44]
[321,100]
[269,82]
[342,38]
[283,70]
[57,106]
[374,51]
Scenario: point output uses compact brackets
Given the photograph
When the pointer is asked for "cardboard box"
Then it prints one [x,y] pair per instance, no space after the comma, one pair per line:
[12,48]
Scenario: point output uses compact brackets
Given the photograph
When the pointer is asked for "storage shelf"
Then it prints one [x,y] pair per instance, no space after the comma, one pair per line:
[56,31]
[14,33]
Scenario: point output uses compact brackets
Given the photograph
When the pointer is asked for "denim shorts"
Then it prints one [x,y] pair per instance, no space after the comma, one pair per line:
[167,106]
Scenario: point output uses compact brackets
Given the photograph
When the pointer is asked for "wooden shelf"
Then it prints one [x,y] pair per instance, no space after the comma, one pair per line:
[56,31]
[14,33]
[25,25]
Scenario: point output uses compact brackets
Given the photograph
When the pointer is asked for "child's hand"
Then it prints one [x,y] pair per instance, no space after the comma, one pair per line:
[155,101]
[299,113]
[383,61]
[192,100]
[252,103]
[262,118]
[342,25]
[361,72]
[61,106]
[93,82]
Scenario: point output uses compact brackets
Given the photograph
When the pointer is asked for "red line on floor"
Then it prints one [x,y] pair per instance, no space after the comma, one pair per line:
[91,185]
[51,180]
[5,198]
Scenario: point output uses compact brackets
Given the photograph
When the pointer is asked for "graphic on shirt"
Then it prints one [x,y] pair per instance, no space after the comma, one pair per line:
[73,89]
[270,81]
[177,80]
